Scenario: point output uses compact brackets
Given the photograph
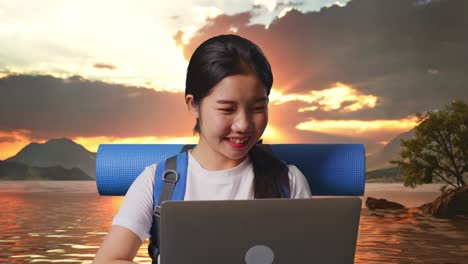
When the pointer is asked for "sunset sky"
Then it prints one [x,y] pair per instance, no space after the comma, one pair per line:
[108,71]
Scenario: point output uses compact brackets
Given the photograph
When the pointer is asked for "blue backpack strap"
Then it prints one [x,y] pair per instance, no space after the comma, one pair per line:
[176,165]
[169,184]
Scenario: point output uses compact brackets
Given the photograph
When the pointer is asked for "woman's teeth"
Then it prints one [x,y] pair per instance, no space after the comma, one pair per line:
[238,140]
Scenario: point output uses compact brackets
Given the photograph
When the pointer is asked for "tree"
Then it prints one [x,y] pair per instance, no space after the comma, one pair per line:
[439,148]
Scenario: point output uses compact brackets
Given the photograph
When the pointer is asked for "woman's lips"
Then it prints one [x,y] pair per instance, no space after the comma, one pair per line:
[237,142]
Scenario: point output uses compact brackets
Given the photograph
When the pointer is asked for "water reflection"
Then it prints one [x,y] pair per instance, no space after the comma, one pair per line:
[54,223]
[410,236]
[66,222]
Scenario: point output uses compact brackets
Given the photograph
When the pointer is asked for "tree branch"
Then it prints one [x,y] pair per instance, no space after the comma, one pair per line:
[435,171]
[464,158]
[444,143]
[441,165]
[445,180]
[451,157]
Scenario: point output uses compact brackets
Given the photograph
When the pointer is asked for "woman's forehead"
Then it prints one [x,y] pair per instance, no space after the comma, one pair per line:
[239,87]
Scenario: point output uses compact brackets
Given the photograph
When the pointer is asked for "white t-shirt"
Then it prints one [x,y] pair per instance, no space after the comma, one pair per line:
[232,184]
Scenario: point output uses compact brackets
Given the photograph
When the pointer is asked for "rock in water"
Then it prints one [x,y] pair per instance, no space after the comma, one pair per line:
[374,204]
[450,204]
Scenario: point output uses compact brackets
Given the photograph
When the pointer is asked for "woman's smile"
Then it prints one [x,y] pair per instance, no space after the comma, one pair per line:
[237,142]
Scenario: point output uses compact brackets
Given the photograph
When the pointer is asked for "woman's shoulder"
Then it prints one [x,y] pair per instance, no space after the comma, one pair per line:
[151,168]
[298,183]
[146,177]
[294,171]
[136,209]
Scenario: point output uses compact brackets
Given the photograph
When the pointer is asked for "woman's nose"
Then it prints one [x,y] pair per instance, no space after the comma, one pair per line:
[241,123]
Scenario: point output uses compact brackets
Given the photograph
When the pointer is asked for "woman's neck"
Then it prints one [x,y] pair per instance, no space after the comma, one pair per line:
[212,160]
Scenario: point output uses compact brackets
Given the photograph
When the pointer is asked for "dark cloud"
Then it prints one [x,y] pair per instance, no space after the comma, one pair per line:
[50,107]
[104,66]
[413,55]
[216,26]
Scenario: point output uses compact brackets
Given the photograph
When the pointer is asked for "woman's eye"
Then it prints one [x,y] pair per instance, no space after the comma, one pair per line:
[260,108]
[227,110]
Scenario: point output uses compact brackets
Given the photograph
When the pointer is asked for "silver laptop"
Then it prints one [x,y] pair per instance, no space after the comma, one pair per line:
[266,231]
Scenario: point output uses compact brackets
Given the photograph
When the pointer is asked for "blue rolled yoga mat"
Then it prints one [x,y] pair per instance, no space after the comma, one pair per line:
[330,169]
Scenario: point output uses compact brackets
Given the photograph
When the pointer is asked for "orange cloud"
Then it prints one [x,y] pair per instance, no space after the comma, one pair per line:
[358,127]
[341,97]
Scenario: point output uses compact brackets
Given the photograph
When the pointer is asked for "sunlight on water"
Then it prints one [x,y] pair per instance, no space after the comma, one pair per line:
[65,222]
[409,236]
[55,251]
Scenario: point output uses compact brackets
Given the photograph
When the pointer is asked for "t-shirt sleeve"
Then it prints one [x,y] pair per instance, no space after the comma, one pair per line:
[298,183]
[136,209]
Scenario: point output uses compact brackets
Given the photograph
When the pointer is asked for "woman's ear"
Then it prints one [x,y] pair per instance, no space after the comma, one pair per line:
[191,106]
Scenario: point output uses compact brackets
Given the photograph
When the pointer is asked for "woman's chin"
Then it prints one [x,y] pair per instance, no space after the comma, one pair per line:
[236,151]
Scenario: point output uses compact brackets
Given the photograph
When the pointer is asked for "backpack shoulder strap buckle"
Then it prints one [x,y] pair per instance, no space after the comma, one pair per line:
[170,176]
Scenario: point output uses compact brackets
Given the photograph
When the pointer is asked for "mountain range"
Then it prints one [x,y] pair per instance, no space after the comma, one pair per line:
[391,151]
[56,159]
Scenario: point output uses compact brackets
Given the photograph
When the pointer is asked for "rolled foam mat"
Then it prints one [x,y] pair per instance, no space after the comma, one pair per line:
[330,169]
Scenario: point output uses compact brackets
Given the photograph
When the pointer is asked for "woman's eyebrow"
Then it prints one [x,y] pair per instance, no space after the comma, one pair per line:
[225,102]
[261,99]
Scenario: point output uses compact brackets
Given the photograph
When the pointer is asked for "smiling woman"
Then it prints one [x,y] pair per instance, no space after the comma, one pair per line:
[227,87]
[232,118]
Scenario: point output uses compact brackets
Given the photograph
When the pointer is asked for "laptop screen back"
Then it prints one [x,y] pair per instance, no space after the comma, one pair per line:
[263,231]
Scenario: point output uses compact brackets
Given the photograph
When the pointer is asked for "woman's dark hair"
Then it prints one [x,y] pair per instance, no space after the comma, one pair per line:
[222,56]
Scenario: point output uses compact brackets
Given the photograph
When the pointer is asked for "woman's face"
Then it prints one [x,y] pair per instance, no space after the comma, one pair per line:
[232,119]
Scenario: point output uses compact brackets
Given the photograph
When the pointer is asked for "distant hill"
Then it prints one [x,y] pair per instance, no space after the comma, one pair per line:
[61,152]
[390,151]
[10,170]
[388,175]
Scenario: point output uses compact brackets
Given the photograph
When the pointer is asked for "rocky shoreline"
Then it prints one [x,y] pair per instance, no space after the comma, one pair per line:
[450,204]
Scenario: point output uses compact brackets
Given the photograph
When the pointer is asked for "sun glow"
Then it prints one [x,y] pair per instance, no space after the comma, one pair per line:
[12,142]
[92,143]
[272,135]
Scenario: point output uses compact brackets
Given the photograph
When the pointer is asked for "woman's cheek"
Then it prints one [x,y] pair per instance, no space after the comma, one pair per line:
[222,124]
[262,121]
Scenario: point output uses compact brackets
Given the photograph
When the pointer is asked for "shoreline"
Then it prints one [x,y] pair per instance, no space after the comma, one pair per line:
[394,192]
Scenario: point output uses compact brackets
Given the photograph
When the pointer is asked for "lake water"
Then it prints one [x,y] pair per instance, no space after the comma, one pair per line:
[65,222]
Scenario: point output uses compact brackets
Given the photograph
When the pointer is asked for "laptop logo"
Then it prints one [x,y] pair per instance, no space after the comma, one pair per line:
[259,254]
